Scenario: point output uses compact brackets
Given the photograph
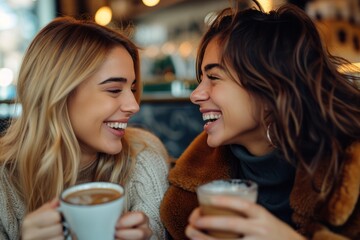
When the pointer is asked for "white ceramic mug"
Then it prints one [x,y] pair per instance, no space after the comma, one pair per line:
[92,221]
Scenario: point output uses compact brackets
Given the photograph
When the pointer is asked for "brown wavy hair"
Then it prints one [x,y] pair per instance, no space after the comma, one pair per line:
[40,150]
[313,109]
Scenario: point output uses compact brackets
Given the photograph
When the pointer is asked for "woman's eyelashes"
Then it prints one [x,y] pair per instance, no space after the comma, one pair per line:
[115,90]
[119,90]
[212,77]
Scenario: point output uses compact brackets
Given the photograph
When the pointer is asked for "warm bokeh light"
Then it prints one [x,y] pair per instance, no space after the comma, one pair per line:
[185,49]
[103,15]
[150,3]
[6,77]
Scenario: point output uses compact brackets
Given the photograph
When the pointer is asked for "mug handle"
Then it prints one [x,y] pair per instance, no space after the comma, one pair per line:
[66,228]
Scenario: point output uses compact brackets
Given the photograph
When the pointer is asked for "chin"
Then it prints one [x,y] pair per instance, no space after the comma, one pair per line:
[213,143]
[113,151]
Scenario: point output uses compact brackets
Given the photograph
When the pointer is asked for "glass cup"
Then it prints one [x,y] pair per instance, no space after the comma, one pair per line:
[244,189]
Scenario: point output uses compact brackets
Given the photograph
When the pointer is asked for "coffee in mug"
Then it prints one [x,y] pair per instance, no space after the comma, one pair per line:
[92,196]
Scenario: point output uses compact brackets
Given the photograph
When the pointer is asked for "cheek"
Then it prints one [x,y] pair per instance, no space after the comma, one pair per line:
[108,106]
[95,112]
[234,98]
[87,111]
[241,104]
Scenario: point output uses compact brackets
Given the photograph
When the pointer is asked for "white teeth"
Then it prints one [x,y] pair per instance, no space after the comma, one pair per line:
[116,125]
[211,116]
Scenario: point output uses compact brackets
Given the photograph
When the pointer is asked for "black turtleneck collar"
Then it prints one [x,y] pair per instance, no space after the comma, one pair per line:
[272,173]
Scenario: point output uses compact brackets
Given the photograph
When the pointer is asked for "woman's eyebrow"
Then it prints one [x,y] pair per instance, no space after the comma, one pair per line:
[114,79]
[210,66]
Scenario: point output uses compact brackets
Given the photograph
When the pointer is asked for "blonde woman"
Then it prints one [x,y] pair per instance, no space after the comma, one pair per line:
[78,86]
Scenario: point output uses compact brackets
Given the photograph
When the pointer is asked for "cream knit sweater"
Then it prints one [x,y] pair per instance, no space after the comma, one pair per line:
[144,191]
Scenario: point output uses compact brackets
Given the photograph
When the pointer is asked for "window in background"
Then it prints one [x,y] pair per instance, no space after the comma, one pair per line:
[20,21]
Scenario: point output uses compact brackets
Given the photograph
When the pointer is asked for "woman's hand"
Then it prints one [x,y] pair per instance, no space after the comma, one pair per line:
[253,222]
[133,226]
[43,223]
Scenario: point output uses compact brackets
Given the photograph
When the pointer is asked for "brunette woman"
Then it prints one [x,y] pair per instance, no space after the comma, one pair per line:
[278,112]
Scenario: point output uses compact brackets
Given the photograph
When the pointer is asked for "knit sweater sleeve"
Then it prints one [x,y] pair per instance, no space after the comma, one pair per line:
[11,209]
[148,183]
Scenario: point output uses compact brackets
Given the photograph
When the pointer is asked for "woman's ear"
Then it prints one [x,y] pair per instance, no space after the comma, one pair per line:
[266,108]
[267,112]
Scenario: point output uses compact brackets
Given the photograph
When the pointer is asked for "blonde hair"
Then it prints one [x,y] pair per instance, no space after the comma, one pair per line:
[40,149]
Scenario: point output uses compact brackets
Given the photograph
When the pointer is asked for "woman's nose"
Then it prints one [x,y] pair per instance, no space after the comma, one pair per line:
[130,104]
[199,94]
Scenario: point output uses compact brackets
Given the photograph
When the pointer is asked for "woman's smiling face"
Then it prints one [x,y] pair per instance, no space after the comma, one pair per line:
[101,106]
[230,113]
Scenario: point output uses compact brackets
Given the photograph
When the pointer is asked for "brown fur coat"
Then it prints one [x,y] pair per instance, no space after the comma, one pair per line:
[335,217]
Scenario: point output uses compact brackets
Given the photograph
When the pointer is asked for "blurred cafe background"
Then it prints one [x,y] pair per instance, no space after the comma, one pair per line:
[168,32]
